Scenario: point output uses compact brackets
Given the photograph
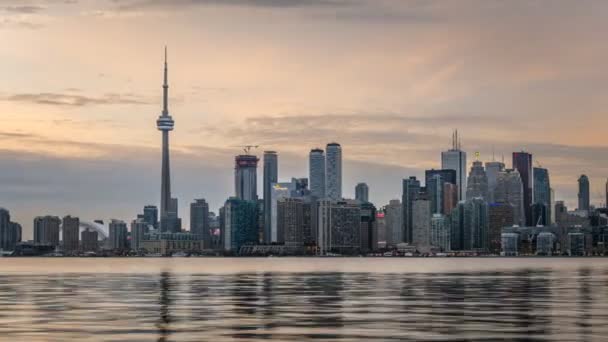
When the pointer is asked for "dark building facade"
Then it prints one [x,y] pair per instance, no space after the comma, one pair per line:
[411,192]
[71,234]
[522,162]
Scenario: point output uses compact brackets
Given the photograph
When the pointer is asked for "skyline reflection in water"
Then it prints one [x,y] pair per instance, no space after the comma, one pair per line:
[522,299]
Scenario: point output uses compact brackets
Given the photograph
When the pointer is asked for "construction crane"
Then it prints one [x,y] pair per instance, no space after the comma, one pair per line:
[247,148]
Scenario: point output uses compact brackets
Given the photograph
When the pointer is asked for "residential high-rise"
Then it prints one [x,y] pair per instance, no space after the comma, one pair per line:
[435,181]
[456,159]
[583,193]
[542,192]
[10,232]
[421,224]
[170,222]
[165,124]
[46,230]
[89,240]
[477,183]
[476,225]
[411,190]
[362,192]
[245,177]
[333,171]
[240,224]
[338,226]
[492,170]
[71,234]
[509,189]
[271,176]
[118,235]
[440,232]
[151,216]
[316,172]
[199,220]
[368,228]
[458,227]
[500,215]
[293,220]
[394,222]
[522,162]
[138,229]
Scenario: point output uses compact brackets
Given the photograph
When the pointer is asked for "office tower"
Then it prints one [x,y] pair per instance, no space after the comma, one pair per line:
[560,211]
[421,223]
[440,232]
[500,215]
[333,171]
[509,189]
[381,226]
[542,193]
[411,190]
[240,224]
[151,216]
[435,181]
[10,232]
[89,240]
[539,214]
[170,222]
[165,124]
[316,172]
[583,193]
[545,243]
[71,234]
[245,177]
[450,197]
[271,175]
[492,170]
[338,226]
[46,230]
[522,162]
[552,207]
[394,222]
[477,183]
[199,220]
[456,159]
[293,221]
[457,224]
[118,235]
[476,224]
[368,228]
[362,192]
[138,229]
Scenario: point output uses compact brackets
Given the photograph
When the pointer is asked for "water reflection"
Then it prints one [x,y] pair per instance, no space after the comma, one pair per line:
[527,304]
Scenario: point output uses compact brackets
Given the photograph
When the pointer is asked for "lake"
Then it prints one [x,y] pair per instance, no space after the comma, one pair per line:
[289,299]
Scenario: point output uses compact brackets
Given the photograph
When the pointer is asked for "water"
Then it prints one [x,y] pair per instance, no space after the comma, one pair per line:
[289,299]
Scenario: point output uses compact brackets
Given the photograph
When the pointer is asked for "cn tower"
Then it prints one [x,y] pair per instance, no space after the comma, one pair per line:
[165,125]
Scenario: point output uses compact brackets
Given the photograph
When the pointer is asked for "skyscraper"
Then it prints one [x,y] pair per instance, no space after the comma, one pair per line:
[240,224]
[435,181]
[151,216]
[450,197]
[89,240]
[46,230]
[271,175]
[316,172]
[440,232]
[118,235]
[477,183]
[411,190]
[245,177]
[138,229]
[542,192]
[368,228]
[199,219]
[492,170]
[293,220]
[71,234]
[476,235]
[500,216]
[362,192]
[165,124]
[338,226]
[421,224]
[456,159]
[583,193]
[333,171]
[10,232]
[522,162]
[509,189]
[394,222]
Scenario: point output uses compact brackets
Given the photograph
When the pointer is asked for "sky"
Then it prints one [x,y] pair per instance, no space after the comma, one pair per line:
[388,79]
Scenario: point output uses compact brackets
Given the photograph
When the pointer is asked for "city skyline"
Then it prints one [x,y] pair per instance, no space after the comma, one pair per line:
[65,147]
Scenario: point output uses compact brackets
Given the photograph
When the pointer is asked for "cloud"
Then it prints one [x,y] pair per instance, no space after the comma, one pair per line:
[71,100]
[25,9]
[180,4]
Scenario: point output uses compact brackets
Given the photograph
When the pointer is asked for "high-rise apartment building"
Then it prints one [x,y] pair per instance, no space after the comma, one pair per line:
[10,232]
[46,230]
[411,191]
[151,216]
[583,193]
[522,162]
[333,171]
[421,224]
[271,176]
[199,219]
[139,227]
[71,234]
[456,159]
[393,218]
[240,224]
[89,240]
[338,226]
[362,192]
[118,235]
[440,232]
[245,177]
[368,228]
[316,172]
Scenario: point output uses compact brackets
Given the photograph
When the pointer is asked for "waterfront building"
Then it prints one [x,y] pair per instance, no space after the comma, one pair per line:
[139,228]
[240,224]
[369,231]
[150,216]
[333,171]
[199,219]
[46,230]
[411,192]
[316,174]
[440,232]
[167,244]
[394,222]
[576,244]
[522,162]
[89,240]
[293,221]
[10,232]
[477,225]
[583,193]
[362,193]
[118,235]
[71,234]
[509,244]
[271,176]
[545,243]
[421,224]
[456,159]
[338,226]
